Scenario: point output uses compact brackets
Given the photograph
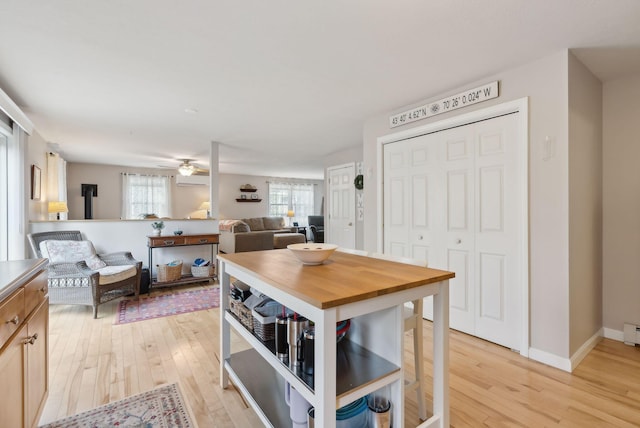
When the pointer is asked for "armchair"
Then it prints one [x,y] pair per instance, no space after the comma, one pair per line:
[79,276]
[316,224]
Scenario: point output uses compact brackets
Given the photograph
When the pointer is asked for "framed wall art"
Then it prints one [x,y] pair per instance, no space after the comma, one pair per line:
[36,183]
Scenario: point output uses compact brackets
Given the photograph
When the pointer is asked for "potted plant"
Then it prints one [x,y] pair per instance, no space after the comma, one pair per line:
[157,227]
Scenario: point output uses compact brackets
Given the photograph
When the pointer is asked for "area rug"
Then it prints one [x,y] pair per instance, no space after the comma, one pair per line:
[165,305]
[162,407]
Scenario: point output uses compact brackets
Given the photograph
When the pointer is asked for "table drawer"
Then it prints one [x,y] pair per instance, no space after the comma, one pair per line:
[205,239]
[35,291]
[11,315]
[165,241]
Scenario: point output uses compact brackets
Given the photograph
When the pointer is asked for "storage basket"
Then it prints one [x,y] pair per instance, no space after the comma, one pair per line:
[241,312]
[202,271]
[264,319]
[169,273]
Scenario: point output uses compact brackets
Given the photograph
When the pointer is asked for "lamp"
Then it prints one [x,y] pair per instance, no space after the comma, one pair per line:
[205,206]
[290,214]
[58,207]
[186,168]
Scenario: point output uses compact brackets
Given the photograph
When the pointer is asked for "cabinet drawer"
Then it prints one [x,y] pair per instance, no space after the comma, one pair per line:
[11,315]
[204,239]
[35,292]
[166,241]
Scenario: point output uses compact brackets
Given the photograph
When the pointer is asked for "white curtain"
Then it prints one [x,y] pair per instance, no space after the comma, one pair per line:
[145,194]
[298,197]
[57,181]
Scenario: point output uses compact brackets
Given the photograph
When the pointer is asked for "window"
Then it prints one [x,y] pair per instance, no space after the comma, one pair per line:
[297,197]
[4,195]
[145,194]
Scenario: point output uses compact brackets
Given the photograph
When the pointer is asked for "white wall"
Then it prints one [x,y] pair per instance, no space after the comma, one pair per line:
[36,154]
[230,191]
[621,189]
[545,83]
[185,199]
[131,235]
[585,204]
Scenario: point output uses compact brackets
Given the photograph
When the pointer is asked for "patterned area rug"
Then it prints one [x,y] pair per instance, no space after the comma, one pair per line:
[162,407]
[167,304]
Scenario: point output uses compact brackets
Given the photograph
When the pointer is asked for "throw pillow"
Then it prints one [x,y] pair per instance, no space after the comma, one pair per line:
[254,224]
[94,262]
[60,251]
[273,223]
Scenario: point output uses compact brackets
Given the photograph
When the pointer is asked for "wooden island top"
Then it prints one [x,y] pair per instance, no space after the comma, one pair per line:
[343,278]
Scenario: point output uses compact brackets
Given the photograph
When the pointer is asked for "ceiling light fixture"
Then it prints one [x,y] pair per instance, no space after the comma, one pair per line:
[186,168]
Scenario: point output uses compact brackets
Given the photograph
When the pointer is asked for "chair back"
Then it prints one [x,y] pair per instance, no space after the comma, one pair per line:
[60,235]
[316,220]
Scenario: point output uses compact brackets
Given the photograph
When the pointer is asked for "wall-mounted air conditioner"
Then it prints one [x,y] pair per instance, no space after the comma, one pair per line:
[192,180]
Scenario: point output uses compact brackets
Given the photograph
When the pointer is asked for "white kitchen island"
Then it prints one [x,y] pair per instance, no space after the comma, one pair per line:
[370,292]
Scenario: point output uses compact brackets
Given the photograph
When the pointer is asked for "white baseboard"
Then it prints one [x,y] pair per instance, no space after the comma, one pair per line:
[586,347]
[550,359]
[610,333]
[566,364]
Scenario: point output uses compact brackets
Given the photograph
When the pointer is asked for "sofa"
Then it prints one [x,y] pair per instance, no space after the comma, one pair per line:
[255,234]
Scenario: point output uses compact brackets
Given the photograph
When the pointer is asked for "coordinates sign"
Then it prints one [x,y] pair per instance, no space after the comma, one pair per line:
[463,99]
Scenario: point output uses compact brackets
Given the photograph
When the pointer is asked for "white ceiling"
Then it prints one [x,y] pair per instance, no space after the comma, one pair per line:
[280,84]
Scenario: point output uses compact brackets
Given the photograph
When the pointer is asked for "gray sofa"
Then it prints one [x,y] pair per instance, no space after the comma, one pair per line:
[251,234]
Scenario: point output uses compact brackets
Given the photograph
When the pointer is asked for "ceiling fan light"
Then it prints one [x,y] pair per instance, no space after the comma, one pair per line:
[186,169]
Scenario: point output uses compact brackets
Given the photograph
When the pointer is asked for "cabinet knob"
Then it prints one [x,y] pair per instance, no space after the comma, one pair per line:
[420,237]
[31,339]
[350,224]
[15,320]
[458,241]
[43,290]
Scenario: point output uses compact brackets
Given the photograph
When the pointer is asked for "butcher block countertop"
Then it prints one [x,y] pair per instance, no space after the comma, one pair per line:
[15,273]
[343,278]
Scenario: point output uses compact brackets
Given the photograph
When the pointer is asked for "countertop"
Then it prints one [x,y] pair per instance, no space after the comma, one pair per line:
[343,278]
[15,273]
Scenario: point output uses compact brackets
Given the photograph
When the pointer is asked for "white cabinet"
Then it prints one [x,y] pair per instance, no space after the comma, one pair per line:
[367,291]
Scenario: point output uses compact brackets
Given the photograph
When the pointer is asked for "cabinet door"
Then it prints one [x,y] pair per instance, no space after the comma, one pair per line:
[12,365]
[37,385]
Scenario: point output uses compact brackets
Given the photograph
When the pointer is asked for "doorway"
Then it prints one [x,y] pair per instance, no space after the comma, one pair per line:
[340,226]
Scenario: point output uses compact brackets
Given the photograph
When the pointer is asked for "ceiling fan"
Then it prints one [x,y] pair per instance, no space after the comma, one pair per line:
[186,169]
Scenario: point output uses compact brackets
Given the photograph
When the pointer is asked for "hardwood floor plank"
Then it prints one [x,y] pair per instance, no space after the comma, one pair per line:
[93,362]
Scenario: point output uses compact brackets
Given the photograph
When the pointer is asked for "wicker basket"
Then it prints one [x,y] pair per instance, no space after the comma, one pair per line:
[241,312]
[168,273]
[202,271]
[264,319]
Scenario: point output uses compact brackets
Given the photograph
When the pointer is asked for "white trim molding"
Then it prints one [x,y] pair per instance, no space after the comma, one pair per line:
[12,110]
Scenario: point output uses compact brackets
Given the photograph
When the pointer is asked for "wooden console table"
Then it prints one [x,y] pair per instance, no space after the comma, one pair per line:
[154,242]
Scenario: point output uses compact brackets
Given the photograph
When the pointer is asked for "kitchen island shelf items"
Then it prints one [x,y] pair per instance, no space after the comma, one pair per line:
[357,368]
[156,242]
[368,291]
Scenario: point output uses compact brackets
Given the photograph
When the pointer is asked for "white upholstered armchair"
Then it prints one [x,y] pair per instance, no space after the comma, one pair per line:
[79,276]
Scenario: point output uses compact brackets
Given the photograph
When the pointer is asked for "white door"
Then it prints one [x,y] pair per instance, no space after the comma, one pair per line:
[340,226]
[451,198]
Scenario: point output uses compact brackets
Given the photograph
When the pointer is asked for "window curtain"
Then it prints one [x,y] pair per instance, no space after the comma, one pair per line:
[57,182]
[296,197]
[145,194]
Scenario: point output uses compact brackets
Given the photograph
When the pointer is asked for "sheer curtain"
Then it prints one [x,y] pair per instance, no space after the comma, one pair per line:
[298,197]
[57,181]
[145,194]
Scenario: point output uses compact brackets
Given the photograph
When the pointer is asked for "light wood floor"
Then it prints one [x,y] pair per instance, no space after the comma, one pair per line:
[94,362]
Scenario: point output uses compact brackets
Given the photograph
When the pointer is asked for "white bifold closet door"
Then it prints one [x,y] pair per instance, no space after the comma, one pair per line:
[451,198]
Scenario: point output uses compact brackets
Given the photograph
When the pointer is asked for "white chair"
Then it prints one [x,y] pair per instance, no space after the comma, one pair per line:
[352,251]
[413,323]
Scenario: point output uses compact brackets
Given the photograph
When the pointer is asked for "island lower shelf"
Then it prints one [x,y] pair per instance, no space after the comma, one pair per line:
[358,370]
